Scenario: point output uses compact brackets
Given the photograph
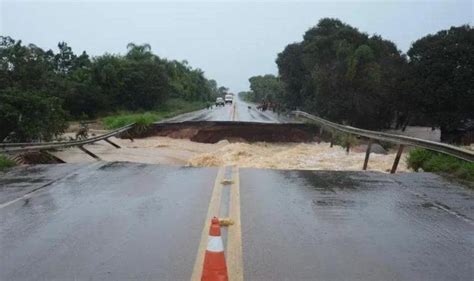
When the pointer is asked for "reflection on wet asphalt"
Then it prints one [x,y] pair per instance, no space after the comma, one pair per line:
[245,112]
[25,179]
[317,225]
[126,221]
[112,221]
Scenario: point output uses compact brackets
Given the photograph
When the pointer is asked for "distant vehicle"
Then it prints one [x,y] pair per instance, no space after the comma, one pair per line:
[229,98]
[219,102]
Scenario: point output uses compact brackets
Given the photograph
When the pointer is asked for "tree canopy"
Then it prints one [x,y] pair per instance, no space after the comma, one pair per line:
[349,77]
[442,71]
[265,88]
[342,74]
[40,90]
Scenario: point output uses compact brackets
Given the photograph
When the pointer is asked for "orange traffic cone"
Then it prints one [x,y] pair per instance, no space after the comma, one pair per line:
[215,268]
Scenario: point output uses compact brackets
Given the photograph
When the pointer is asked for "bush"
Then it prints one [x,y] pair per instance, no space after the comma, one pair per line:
[117,121]
[169,109]
[440,163]
[5,162]
[417,158]
[345,140]
[30,116]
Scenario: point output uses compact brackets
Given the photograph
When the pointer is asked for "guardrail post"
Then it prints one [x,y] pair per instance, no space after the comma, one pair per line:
[320,134]
[88,152]
[397,159]
[112,143]
[367,154]
[457,152]
[52,156]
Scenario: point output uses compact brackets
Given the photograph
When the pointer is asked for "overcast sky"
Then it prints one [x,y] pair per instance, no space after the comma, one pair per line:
[229,40]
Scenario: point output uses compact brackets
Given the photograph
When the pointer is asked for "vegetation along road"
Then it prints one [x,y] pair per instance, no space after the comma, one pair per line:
[297,200]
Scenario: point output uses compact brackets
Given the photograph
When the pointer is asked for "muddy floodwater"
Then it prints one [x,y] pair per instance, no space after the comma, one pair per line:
[288,156]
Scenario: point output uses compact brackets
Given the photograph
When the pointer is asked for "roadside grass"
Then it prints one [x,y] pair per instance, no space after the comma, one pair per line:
[440,163]
[5,162]
[171,108]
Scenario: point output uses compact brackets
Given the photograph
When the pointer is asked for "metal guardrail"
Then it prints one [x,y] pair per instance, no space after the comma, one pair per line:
[42,146]
[392,138]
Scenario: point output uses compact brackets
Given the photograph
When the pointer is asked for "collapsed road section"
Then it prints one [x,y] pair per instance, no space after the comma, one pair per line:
[244,144]
[215,131]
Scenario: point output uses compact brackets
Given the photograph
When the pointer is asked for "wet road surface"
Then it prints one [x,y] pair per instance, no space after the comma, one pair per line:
[245,112]
[316,225]
[125,221]
[105,221]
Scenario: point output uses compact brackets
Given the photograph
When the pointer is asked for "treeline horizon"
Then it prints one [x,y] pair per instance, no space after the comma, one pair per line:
[353,78]
[41,89]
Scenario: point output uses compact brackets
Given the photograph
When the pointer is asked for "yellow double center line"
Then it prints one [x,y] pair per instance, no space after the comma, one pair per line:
[234,233]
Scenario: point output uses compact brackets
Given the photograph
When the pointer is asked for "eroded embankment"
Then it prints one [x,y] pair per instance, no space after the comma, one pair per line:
[213,132]
[258,145]
[250,145]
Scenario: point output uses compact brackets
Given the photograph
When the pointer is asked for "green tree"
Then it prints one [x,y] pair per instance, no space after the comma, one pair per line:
[265,88]
[342,74]
[145,85]
[222,91]
[139,52]
[39,89]
[214,91]
[30,116]
[292,73]
[25,67]
[442,69]
[65,59]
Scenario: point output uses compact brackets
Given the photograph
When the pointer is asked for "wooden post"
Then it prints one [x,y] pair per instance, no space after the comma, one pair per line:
[89,153]
[348,148]
[397,159]
[367,154]
[113,144]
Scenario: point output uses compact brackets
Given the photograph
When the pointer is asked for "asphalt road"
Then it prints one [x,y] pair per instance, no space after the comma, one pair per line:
[125,221]
[317,225]
[245,112]
[103,221]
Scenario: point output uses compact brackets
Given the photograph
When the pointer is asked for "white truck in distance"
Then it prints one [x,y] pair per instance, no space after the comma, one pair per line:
[228,98]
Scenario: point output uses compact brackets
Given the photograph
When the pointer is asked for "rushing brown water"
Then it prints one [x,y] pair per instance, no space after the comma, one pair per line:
[301,156]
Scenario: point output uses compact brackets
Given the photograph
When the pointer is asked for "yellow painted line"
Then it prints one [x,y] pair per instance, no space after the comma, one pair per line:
[234,258]
[213,210]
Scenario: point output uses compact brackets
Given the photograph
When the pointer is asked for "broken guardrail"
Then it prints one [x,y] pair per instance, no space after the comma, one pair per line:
[400,140]
[44,146]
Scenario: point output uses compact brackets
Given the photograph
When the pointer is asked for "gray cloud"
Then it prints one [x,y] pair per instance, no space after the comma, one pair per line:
[230,41]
